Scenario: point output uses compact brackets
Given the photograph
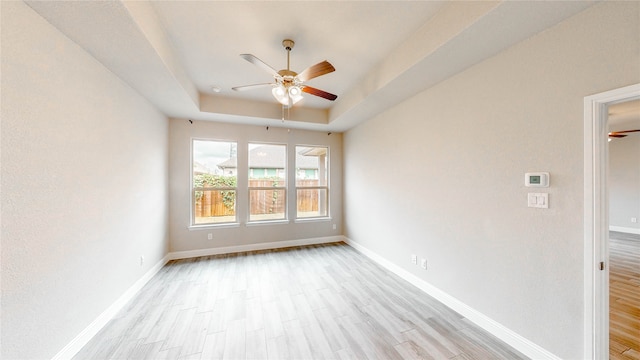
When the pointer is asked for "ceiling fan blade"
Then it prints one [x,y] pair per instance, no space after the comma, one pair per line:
[259,63]
[316,70]
[318,92]
[620,134]
[251,87]
[624,131]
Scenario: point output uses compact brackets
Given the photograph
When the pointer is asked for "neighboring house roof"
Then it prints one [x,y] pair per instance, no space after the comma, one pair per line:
[229,163]
[271,157]
[199,168]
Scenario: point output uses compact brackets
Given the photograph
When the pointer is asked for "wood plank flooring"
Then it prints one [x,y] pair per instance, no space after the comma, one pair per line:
[624,296]
[314,302]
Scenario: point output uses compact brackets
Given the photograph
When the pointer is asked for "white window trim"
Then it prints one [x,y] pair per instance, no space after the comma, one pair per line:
[314,219]
[268,222]
[212,225]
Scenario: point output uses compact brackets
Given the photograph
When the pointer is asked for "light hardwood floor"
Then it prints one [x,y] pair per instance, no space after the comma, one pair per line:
[624,296]
[314,302]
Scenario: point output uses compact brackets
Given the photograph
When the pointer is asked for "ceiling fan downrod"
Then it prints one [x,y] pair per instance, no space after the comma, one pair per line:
[288,45]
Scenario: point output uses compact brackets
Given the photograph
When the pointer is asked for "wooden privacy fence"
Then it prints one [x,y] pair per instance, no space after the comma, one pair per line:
[266,201]
[308,199]
[211,203]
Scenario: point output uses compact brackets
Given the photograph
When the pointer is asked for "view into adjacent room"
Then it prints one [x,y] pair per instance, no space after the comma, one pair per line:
[624,235]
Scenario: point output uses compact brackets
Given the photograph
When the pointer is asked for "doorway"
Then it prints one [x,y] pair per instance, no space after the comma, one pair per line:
[624,231]
[596,218]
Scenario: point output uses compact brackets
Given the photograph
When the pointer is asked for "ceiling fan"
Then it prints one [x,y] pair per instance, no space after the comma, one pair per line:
[289,85]
[621,134]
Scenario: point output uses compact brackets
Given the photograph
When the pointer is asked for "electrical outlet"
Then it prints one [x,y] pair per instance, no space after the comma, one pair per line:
[634,220]
[423,263]
[334,226]
[414,259]
[210,236]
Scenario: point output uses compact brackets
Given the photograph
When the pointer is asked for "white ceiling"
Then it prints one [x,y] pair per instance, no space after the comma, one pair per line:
[209,36]
[174,52]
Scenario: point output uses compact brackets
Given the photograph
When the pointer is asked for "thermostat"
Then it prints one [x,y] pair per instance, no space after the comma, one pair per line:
[536,179]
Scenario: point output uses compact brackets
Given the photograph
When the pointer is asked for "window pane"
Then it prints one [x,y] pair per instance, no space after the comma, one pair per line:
[214,206]
[214,158]
[312,193]
[312,203]
[214,166]
[267,182]
[267,161]
[311,165]
[267,204]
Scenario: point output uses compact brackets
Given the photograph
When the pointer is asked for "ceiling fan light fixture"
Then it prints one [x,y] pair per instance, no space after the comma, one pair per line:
[295,93]
[280,93]
[287,95]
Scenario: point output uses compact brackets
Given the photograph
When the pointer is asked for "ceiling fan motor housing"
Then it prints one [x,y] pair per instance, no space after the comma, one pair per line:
[287,73]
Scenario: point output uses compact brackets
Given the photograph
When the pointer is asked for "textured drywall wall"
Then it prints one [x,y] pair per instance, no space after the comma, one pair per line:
[84,187]
[624,182]
[441,175]
[181,132]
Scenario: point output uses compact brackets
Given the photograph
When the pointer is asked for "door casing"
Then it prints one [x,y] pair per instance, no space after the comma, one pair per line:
[596,218]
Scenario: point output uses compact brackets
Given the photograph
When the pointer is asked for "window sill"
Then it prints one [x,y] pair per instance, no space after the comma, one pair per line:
[314,219]
[212,226]
[268,222]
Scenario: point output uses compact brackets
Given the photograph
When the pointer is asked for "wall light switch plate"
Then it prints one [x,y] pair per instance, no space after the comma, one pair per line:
[538,200]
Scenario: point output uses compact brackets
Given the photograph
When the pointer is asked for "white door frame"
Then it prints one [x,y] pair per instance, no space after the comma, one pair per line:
[596,219]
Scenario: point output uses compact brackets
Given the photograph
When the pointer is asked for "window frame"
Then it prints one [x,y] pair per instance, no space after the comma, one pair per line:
[285,188]
[327,215]
[193,189]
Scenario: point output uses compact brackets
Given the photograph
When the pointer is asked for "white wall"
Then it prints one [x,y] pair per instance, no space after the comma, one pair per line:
[457,154]
[624,183]
[84,186]
[182,131]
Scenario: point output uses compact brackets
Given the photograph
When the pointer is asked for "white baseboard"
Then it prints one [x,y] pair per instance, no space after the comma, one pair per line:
[252,247]
[90,331]
[625,230]
[518,342]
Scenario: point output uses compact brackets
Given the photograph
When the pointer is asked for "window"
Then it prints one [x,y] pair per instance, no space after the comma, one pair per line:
[267,182]
[214,182]
[312,190]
